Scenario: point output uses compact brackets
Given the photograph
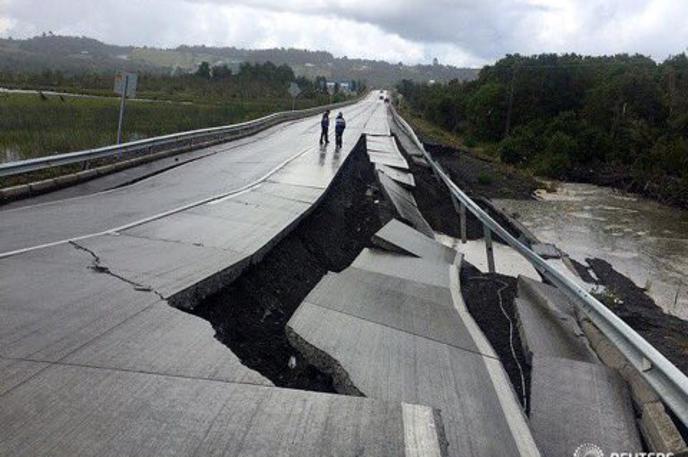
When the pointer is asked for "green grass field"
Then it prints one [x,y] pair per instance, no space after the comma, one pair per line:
[34,126]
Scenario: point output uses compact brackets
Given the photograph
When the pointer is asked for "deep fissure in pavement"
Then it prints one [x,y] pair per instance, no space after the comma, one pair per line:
[490,300]
[250,314]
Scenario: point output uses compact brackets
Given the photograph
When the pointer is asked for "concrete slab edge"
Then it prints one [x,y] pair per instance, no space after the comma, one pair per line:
[194,294]
[324,362]
[658,429]
[424,434]
[527,292]
[387,246]
[527,352]
[188,298]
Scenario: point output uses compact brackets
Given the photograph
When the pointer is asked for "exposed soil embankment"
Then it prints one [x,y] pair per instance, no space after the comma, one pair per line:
[665,189]
[482,177]
[667,333]
[250,314]
[435,202]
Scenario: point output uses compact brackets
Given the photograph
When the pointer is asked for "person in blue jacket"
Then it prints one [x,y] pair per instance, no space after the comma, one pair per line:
[339,126]
[325,125]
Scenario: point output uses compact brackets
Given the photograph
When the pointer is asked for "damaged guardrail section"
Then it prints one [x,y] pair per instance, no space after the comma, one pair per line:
[668,381]
[161,143]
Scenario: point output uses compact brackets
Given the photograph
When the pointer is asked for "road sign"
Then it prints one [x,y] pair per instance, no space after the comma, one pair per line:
[125,86]
[294,90]
[126,82]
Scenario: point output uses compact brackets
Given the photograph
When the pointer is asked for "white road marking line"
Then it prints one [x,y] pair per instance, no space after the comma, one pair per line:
[225,195]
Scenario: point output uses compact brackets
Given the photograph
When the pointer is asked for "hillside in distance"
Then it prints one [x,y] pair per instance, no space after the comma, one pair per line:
[73,55]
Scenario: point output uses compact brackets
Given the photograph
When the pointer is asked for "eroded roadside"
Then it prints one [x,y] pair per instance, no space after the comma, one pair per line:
[489,297]
[250,314]
[667,333]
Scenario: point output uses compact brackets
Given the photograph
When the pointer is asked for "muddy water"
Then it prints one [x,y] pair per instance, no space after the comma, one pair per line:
[645,241]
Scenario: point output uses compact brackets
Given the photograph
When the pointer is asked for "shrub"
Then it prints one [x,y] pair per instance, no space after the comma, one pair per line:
[485,179]
[555,160]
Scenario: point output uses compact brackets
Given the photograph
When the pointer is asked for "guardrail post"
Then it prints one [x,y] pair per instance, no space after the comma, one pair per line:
[488,249]
[437,175]
[462,222]
[460,209]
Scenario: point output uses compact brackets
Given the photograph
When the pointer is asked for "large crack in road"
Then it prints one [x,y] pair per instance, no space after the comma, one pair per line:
[250,314]
[98,267]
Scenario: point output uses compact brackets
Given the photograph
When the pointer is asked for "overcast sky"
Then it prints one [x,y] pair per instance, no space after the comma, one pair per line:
[458,32]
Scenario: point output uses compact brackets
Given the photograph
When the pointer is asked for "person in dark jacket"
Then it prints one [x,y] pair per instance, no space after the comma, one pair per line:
[339,126]
[325,126]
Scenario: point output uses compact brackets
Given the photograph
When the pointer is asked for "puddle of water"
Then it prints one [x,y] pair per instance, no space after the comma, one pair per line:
[642,239]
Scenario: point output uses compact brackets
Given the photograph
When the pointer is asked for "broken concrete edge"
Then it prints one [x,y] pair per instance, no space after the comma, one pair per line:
[14,193]
[387,246]
[670,439]
[569,322]
[665,435]
[188,298]
[441,432]
[527,352]
[657,427]
[423,226]
[323,362]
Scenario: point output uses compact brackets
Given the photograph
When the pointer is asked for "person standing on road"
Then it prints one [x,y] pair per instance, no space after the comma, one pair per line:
[339,126]
[325,125]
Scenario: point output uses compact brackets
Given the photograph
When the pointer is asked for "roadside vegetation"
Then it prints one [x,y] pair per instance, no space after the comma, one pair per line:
[33,125]
[619,121]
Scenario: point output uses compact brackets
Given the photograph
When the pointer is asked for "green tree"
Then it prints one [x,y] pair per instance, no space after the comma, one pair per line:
[203,70]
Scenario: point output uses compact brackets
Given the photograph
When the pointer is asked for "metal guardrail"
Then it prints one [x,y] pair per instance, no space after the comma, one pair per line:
[668,381]
[161,143]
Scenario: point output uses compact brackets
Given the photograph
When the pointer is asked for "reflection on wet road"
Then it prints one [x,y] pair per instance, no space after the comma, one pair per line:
[642,239]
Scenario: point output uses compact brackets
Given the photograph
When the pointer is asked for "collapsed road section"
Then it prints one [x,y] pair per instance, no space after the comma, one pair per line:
[535,329]
[250,314]
[324,276]
[95,362]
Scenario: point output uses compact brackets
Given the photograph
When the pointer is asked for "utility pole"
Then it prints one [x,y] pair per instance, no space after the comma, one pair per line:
[672,89]
[510,106]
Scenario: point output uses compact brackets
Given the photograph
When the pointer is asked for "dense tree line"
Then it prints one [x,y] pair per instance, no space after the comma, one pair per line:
[621,120]
[75,55]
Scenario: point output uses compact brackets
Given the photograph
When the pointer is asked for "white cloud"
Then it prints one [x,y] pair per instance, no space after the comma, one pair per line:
[460,32]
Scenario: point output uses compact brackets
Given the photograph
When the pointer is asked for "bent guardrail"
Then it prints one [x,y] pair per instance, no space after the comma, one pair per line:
[670,384]
[162,143]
